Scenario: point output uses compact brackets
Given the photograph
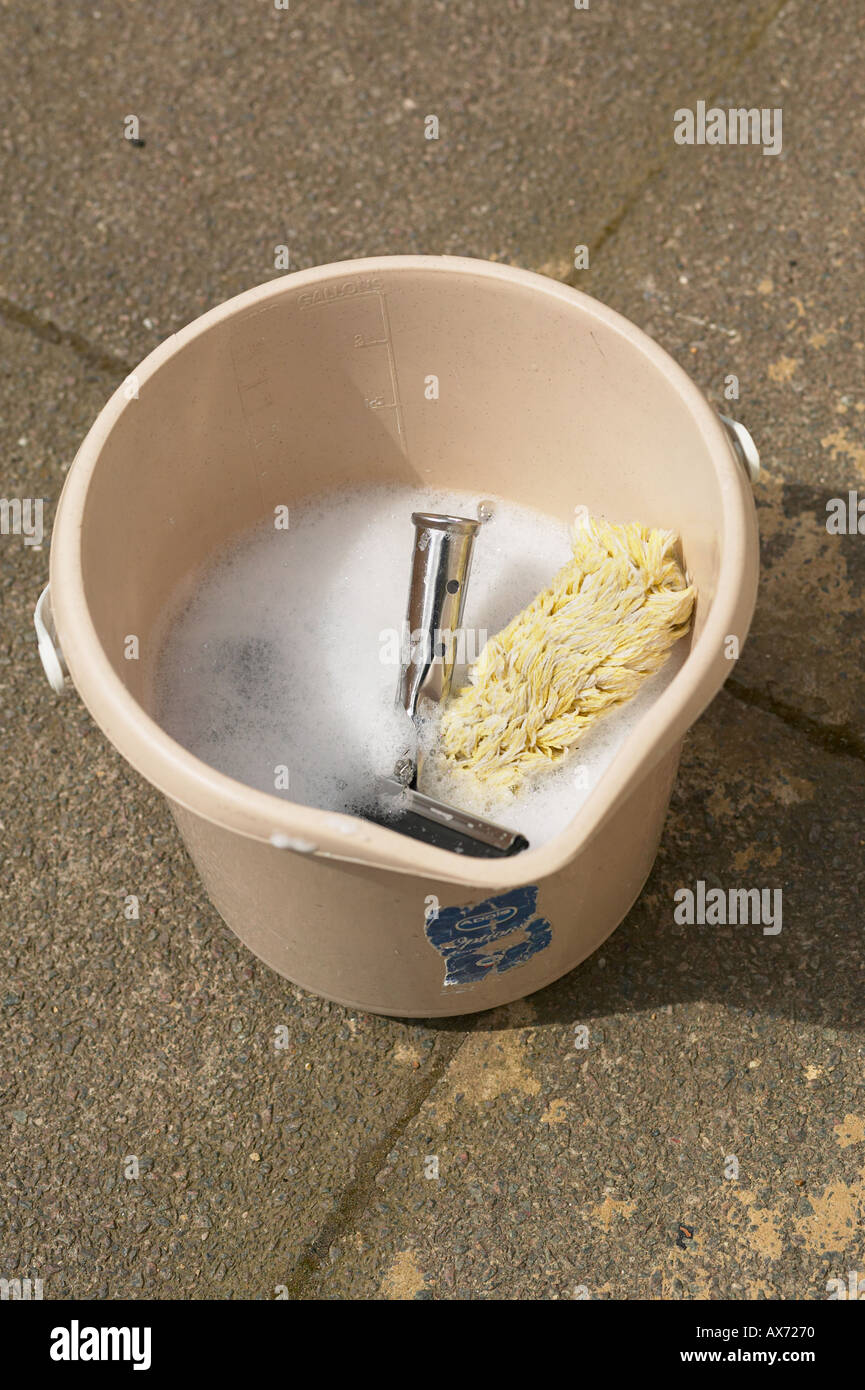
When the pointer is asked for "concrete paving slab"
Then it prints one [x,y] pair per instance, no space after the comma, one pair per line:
[562,1170]
[249,1106]
[604,1170]
[305,127]
[745,265]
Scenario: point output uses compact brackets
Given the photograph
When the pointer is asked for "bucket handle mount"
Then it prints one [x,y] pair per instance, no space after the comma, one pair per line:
[743,446]
[49,648]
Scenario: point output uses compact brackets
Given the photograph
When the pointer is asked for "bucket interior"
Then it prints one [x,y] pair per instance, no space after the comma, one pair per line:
[538,401]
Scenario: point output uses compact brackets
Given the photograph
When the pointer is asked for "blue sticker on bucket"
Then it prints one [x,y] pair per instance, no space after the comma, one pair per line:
[489,937]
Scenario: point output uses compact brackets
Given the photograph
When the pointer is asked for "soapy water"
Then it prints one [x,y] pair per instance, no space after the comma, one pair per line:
[279,667]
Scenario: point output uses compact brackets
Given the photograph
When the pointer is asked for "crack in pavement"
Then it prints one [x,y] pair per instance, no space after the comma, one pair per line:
[839,740]
[612,225]
[50,332]
[356,1196]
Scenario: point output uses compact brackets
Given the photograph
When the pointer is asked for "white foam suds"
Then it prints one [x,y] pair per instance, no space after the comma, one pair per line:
[275,661]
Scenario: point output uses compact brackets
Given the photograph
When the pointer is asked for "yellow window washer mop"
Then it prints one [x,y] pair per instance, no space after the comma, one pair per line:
[606,622]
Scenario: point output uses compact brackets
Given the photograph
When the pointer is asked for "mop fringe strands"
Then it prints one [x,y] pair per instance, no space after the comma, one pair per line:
[586,643]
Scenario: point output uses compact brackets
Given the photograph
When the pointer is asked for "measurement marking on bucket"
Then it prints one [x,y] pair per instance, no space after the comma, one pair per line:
[252,374]
[260,369]
[379,335]
[392,366]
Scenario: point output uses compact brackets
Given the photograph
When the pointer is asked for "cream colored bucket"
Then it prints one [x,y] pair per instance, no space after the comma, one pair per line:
[317,381]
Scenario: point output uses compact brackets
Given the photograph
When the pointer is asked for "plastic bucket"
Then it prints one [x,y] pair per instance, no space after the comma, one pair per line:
[317,381]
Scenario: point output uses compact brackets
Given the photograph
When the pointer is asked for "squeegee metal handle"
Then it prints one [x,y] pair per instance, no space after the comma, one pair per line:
[441,561]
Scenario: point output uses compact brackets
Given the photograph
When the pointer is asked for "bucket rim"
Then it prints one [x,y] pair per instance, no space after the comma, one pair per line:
[224,801]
